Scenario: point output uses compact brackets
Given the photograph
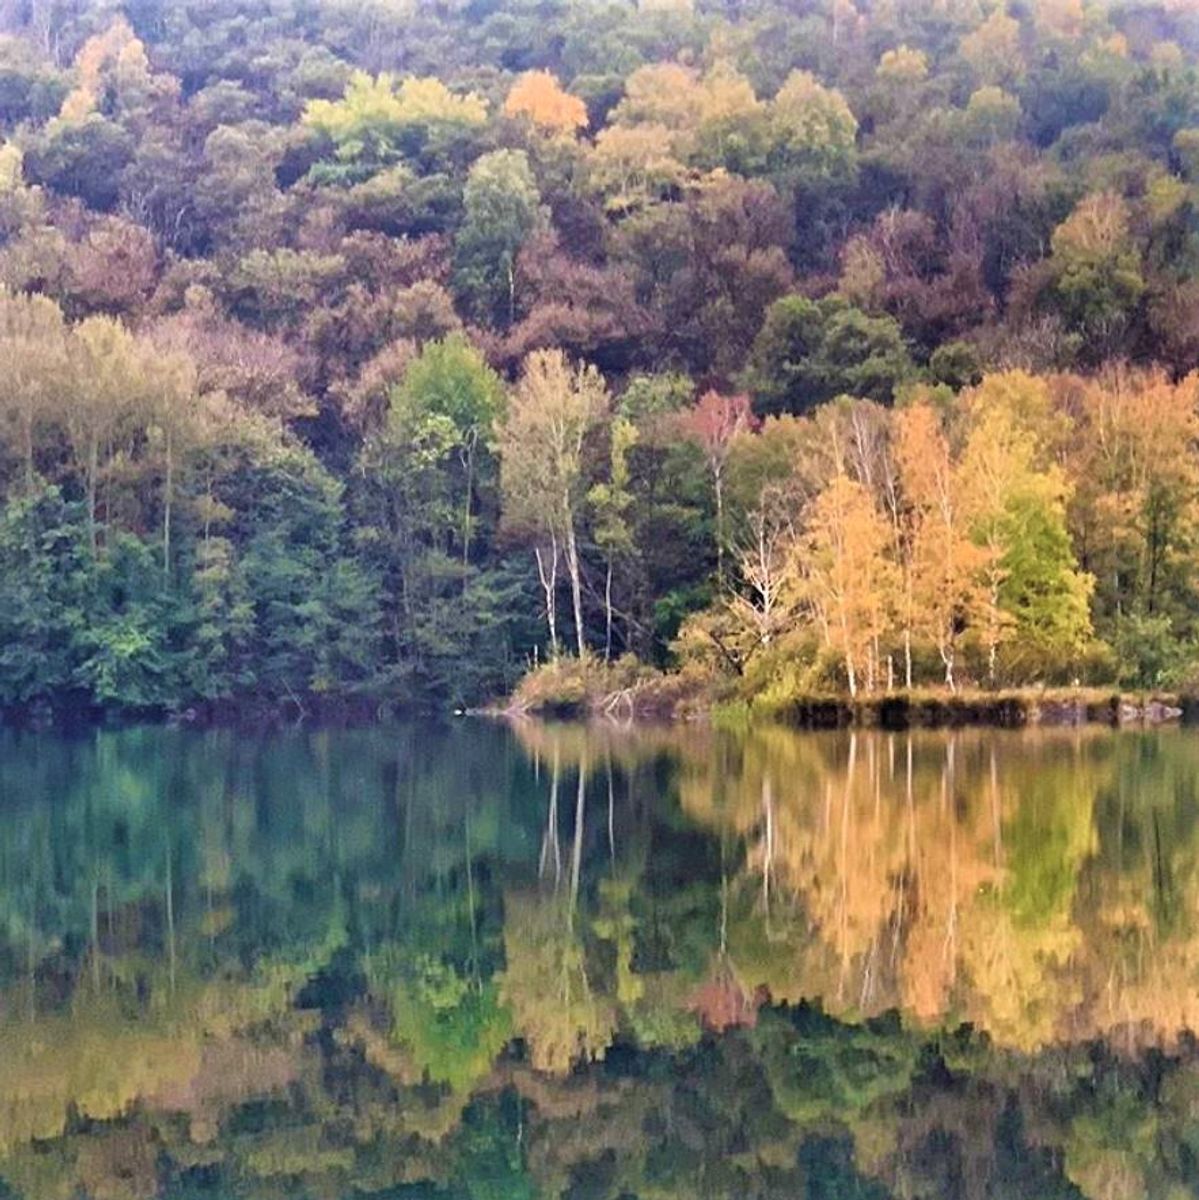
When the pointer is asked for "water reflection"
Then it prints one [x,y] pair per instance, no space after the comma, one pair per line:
[556,961]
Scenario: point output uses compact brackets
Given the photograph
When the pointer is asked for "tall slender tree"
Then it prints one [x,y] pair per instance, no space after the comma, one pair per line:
[553,408]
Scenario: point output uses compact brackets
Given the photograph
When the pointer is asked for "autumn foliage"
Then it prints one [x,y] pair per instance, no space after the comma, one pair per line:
[538,96]
[888,314]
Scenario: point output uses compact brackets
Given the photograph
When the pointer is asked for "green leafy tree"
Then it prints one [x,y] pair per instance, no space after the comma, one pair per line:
[1016,499]
[315,609]
[46,578]
[811,351]
[611,501]
[82,158]
[380,120]
[814,132]
[502,208]
[451,379]
[129,647]
[1096,276]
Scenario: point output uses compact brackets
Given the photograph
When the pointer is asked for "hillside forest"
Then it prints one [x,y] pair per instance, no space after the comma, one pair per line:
[379,350]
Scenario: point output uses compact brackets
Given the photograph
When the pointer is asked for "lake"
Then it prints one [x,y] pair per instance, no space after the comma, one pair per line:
[553,961]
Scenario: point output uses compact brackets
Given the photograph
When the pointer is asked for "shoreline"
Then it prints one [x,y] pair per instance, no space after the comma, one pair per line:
[1001,710]
[663,700]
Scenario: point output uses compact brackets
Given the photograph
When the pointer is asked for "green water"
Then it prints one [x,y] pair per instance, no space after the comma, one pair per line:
[468,961]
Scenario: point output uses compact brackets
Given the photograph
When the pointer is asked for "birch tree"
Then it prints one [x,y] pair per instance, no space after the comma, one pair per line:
[553,408]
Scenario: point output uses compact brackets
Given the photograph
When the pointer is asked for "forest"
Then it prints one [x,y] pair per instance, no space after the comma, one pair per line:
[379,351]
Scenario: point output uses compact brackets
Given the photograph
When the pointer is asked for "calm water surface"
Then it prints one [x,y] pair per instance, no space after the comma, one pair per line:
[471,961]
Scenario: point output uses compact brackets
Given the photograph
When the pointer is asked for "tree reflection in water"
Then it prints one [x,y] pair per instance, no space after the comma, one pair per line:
[593,962]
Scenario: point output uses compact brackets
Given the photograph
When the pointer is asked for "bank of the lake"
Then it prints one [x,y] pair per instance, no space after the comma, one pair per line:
[571,688]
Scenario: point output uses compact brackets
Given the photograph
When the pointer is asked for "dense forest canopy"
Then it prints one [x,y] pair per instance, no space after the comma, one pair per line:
[385,348]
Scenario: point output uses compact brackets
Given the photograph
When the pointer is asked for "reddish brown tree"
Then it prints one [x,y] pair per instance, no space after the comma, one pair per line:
[713,424]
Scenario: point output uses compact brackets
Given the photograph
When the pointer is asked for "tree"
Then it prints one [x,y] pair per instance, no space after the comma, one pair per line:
[112,270]
[550,413]
[941,590]
[587,310]
[849,580]
[35,340]
[707,268]
[112,70]
[260,372]
[814,132]
[993,49]
[611,501]
[238,204]
[810,351]
[502,208]
[380,120]
[538,96]
[81,158]
[662,94]
[731,129]
[766,563]
[1094,275]
[900,76]
[410,504]
[713,424]
[1016,500]
[315,608]
[451,379]
[931,281]
[45,581]
[1136,482]
[109,383]
[631,166]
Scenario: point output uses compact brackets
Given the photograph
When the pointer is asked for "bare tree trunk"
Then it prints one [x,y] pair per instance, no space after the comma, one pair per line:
[549,585]
[576,585]
[718,480]
[993,633]
[468,461]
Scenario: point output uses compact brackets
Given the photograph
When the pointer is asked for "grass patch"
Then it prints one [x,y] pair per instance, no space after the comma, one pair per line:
[590,687]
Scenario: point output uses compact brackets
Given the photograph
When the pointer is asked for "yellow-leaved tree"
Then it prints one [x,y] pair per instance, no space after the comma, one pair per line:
[940,587]
[850,582]
[539,96]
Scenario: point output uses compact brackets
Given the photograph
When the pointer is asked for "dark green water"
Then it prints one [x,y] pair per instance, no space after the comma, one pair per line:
[473,962]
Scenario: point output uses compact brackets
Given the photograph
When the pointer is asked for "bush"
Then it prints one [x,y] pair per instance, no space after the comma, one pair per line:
[1151,654]
[580,687]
